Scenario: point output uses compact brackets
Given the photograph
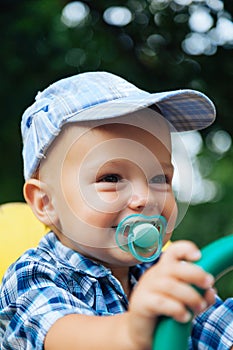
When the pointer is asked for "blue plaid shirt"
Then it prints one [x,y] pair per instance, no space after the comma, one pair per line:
[52,281]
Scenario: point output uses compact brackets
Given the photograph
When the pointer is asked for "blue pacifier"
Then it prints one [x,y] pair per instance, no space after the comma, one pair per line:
[142,235]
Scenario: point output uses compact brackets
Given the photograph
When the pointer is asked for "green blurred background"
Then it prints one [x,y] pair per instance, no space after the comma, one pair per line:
[156,44]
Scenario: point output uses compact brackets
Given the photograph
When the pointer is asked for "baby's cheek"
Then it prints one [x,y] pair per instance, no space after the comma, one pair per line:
[113,200]
[170,212]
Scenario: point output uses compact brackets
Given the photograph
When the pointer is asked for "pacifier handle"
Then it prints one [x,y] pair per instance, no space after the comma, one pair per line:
[216,258]
[146,236]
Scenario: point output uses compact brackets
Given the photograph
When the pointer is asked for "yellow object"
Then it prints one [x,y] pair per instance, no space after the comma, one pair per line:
[166,245]
[19,231]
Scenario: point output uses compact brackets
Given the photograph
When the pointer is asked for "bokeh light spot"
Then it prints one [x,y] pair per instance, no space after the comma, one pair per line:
[74,13]
[223,33]
[200,20]
[198,44]
[215,5]
[183,2]
[117,16]
[219,141]
[202,189]
[75,57]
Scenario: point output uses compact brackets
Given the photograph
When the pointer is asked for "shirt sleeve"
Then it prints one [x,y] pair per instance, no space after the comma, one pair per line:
[32,299]
[213,330]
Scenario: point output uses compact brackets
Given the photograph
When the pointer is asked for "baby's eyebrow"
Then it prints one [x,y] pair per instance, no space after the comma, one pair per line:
[108,162]
[96,165]
[114,163]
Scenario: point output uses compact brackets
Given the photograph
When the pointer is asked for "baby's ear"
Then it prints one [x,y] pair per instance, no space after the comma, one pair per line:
[37,196]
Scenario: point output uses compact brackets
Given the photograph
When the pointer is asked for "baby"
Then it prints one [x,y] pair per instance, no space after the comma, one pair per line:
[98,171]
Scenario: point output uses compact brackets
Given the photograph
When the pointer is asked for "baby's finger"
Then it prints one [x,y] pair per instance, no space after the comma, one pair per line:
[183,293]
[166,306]
[182,250]
[210,296]
[193,274]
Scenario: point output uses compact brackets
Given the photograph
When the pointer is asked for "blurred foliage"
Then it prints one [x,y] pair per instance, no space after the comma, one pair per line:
[207,222]
[37,48]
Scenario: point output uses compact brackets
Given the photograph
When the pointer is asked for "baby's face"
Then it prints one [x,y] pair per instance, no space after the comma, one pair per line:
[104,174]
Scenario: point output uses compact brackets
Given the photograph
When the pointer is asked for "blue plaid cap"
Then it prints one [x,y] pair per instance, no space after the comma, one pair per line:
[97,96]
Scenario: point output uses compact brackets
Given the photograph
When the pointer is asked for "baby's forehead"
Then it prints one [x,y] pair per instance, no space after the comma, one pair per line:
[144,125]
[145,121]
[137,137]
[117,143]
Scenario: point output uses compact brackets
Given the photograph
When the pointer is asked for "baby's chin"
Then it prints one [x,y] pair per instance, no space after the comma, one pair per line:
[110,257]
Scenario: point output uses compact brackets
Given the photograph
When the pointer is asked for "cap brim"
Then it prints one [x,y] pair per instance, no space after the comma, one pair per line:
[184,109]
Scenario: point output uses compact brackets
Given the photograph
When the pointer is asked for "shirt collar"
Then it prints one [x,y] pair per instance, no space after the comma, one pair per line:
[68,258]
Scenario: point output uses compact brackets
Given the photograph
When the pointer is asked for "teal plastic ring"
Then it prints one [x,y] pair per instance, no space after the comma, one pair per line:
[216,258]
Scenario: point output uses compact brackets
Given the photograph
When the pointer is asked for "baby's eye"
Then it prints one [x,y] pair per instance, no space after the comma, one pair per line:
[110,178]
[159,179]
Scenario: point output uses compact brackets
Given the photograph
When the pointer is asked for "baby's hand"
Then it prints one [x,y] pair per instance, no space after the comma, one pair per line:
[165,289]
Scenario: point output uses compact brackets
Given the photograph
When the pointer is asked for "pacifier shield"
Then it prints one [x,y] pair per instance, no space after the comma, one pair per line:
[141,235]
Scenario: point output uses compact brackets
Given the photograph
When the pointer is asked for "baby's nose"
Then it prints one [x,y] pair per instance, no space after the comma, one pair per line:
[141,198]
